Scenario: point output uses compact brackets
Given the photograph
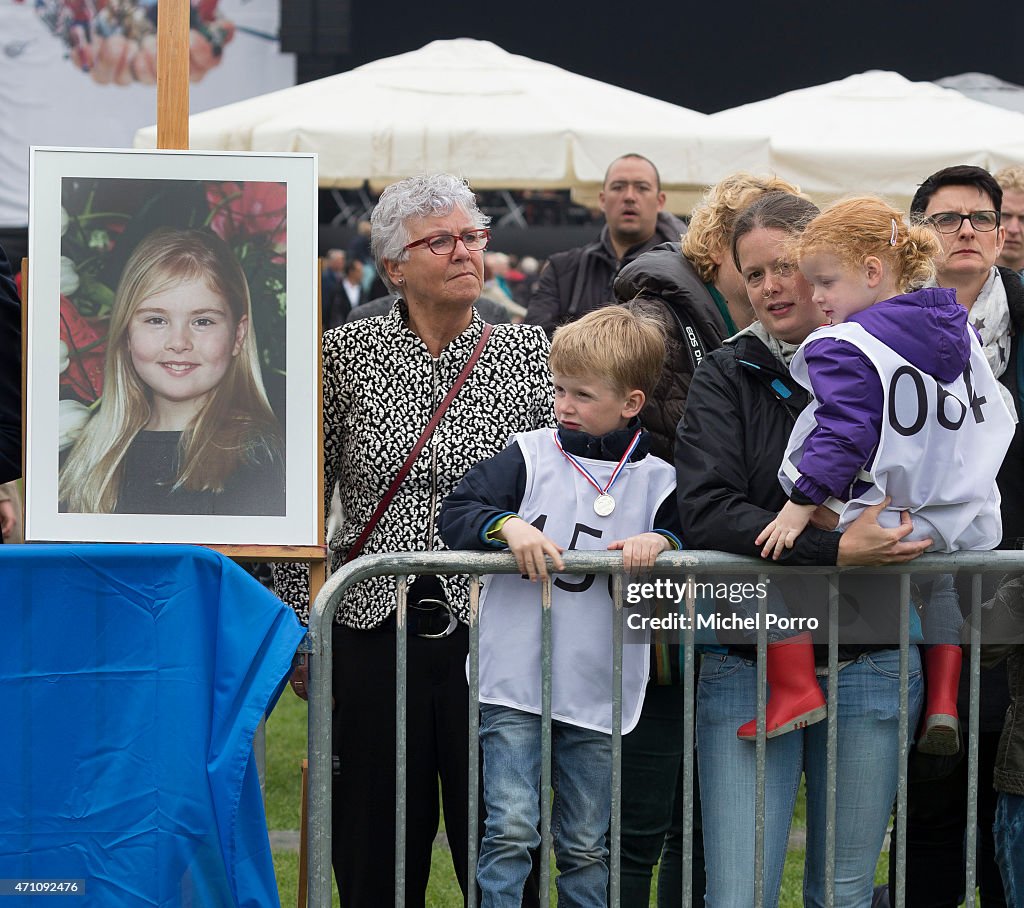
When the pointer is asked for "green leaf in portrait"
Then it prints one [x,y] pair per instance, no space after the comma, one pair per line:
[93,298]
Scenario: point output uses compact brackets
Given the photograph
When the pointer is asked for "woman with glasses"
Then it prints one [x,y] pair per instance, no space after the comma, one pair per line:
[964,205]
[384,379]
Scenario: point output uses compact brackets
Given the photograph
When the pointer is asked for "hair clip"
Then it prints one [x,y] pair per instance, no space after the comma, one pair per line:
[892,238]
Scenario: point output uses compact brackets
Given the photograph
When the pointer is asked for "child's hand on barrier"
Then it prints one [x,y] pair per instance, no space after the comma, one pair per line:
[530,545]
[639,552]
[783,531]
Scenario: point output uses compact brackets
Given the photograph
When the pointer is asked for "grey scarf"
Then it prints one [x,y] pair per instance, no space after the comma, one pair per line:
[990,315]
[781,350]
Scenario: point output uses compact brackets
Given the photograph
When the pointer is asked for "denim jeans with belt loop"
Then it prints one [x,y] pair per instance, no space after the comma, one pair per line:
[866,775]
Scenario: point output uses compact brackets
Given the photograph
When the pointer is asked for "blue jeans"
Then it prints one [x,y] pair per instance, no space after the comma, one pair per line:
[942,618]
[1009,834]
[581,776]
[866,771]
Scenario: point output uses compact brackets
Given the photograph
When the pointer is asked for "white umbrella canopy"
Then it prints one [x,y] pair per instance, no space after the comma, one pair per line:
[465,106]
[878,133]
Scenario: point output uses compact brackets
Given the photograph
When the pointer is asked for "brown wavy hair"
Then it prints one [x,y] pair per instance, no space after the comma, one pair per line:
[711,224]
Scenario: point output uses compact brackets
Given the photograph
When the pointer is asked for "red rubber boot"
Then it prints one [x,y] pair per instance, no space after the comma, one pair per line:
[940,728]
[794,695]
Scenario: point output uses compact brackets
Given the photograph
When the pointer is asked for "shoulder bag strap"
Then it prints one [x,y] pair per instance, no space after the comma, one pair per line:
[357,546]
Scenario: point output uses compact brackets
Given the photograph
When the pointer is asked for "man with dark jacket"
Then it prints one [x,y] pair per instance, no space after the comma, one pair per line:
[695,290]
[10,374]
[578,280]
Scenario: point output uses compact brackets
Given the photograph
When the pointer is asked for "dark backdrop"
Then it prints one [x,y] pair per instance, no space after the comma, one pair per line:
[707,55]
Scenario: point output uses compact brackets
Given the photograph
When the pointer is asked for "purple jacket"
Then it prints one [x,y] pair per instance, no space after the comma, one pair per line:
[928,328]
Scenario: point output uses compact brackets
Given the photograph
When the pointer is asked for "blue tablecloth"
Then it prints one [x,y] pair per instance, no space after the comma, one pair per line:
[132,680]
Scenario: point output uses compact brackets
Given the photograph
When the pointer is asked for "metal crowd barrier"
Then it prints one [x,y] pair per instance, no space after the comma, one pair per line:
[692,565]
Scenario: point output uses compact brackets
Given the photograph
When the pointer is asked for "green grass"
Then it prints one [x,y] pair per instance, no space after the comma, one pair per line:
[286,747]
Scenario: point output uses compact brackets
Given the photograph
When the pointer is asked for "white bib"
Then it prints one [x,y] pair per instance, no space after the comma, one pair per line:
[560,502]
[940,448]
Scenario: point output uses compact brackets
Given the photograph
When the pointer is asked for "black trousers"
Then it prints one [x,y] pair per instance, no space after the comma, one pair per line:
[937,808]
[363,814]
[936,823]
[652,805]
[437,739]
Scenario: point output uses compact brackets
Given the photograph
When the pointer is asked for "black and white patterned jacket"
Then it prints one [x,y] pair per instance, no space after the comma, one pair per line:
[381,386]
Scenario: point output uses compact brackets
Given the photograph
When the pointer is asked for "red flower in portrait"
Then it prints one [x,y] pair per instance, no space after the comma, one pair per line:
[86,349]
[249,209]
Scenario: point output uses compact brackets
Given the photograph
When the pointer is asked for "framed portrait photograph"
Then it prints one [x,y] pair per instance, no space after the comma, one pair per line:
[173,341]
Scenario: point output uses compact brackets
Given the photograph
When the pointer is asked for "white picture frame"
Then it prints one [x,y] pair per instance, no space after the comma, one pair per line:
[96,206]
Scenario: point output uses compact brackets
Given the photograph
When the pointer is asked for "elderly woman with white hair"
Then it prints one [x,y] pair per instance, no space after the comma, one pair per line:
[383,381]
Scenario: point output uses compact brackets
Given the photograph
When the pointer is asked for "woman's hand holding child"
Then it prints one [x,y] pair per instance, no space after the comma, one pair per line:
[824,518]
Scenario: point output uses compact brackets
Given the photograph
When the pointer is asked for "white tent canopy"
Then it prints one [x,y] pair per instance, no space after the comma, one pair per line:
[990,89]
[877,133]
[469,107]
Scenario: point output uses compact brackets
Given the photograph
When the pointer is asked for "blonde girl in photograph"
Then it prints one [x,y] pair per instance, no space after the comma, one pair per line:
[184,425]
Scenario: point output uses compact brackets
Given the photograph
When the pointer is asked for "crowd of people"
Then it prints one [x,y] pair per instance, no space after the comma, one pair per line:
[837,387]
[760,382]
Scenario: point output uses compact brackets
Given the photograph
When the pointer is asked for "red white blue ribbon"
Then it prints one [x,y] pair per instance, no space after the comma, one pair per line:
[583,471]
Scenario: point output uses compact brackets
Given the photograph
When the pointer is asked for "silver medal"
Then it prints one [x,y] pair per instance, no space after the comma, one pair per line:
[604,504]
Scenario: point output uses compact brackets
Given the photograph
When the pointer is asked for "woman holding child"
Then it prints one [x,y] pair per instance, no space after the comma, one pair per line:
[695,291]
[383,380]
[740,412]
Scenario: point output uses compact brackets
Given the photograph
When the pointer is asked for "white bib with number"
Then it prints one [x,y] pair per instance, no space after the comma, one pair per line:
[940,448]
[560,502]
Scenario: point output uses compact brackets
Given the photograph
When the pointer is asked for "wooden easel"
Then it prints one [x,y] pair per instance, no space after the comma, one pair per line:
[172,133]
[172,104]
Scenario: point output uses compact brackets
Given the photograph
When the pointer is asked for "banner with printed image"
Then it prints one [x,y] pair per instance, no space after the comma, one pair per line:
[83,74]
